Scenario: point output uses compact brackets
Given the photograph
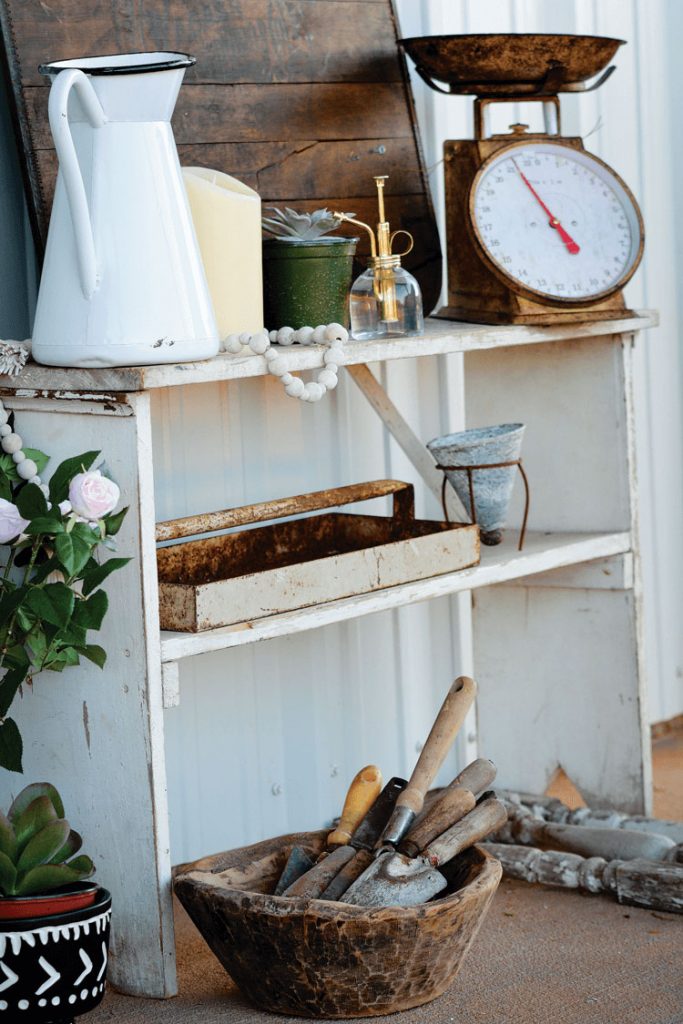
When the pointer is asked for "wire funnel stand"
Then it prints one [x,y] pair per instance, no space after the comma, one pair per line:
[480,465]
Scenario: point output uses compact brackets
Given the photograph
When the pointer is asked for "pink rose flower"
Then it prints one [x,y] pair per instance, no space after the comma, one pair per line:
[11,523]
[93,495]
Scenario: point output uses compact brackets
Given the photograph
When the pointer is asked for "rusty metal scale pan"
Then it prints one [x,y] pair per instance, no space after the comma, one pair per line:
[510,64]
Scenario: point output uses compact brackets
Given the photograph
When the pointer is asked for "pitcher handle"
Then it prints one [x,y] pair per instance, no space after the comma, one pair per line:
[73,78]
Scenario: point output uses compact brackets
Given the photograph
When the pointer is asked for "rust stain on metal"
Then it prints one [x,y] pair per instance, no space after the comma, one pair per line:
[226,579]
[517,63]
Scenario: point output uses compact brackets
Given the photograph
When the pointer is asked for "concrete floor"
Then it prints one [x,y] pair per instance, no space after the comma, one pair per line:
[542,957]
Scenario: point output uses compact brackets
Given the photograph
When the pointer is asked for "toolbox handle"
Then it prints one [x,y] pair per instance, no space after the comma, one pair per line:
[209,522]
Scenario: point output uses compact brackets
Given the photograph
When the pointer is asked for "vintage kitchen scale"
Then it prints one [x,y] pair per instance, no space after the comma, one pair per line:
[235,577]
[539,231]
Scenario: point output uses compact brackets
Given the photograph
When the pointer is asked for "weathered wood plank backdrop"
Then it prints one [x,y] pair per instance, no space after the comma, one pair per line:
[304,100]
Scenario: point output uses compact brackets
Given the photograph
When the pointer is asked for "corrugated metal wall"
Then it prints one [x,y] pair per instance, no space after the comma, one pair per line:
[267,737]
[633,123]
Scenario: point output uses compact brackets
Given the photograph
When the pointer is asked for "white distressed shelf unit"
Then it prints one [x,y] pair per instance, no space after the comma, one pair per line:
[555,628]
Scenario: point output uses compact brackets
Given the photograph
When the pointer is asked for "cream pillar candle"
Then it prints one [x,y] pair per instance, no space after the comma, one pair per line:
[227,219]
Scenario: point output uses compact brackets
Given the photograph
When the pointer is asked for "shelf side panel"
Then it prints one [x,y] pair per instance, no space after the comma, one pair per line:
[558,686]
[98,734]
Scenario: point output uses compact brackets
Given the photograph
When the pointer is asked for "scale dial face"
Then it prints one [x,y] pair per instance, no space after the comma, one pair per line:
[555,222]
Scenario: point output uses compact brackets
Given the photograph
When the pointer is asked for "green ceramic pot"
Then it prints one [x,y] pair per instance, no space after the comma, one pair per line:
[307,283]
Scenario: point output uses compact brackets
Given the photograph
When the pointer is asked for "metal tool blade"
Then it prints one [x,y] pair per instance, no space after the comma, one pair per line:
[298,863]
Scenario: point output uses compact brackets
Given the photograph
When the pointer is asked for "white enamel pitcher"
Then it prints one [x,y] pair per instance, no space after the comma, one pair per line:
[123,282]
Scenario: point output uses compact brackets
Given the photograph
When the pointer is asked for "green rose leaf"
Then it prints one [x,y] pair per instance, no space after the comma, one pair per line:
[9,602]
[40,458]
[8,875]
[53,603]
[9,685]
[62,476]
[5,487]
[25,619]
[9,468]
[90,613]
[11,747]
[95,654]
[49,524]
[31,502]
[72,551]
[113,522]
[38,644]
[93,577]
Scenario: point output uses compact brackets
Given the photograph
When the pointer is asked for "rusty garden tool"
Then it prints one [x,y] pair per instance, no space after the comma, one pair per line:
[315,881]
[360,797]
[465,788]
[298,863]
[452,714]
[451,804]
[362,794]
[394,880]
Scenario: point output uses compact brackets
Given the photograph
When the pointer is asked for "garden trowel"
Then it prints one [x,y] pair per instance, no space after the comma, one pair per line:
[394,880]
[447,807]
[311,884]
[360,797]
[459,700]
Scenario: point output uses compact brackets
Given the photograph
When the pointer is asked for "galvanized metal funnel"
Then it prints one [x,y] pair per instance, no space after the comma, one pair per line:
[491,489]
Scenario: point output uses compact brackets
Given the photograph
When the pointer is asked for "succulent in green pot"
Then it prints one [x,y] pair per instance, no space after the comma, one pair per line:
[38,847]
[306,271]
[54,925]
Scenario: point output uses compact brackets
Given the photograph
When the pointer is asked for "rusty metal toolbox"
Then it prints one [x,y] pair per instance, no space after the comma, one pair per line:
[222,580]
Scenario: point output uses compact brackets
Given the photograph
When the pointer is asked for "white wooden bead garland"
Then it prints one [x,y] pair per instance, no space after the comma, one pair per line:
[261,342]
[12,444]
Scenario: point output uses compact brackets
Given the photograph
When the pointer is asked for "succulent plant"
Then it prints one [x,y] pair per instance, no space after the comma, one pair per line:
[36,843]
[289,223]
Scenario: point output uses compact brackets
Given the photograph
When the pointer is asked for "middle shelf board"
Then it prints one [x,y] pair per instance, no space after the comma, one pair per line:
[542,553]
[441,337]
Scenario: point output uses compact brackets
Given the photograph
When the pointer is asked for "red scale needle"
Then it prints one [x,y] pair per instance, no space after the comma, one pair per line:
[572,246]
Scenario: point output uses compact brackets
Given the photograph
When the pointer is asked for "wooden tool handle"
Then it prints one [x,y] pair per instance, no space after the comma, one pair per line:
[362,794]
[452,804]
[475,826]
[315,881]
[477,777]
[449,719]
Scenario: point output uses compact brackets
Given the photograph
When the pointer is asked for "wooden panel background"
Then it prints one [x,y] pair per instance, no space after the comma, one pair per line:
[304,100]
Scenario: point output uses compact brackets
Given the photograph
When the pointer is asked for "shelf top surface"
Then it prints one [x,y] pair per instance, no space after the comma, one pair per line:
[440,337]
[542,552]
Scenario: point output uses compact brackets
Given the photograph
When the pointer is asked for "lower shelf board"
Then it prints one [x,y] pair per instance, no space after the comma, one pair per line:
[542,553]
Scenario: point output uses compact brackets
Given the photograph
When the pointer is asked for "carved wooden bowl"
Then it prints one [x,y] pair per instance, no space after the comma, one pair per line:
[491,63]
[311,958]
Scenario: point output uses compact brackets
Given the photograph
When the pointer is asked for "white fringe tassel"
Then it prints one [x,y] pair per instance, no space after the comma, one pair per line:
[13,356]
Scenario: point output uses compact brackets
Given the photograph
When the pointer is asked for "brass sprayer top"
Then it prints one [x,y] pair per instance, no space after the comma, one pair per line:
[381,256]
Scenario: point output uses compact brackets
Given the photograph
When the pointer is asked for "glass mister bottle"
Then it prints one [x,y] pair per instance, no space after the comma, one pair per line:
[386,301]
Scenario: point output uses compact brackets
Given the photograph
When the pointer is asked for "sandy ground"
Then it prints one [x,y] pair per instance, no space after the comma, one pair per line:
[542,957]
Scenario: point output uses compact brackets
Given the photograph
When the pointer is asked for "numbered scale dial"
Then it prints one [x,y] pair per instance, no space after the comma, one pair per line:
[555,222]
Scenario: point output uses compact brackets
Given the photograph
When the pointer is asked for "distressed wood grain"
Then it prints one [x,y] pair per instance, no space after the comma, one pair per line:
[233,40]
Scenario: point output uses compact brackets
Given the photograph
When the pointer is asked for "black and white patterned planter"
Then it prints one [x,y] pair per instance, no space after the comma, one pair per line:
[53,968]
